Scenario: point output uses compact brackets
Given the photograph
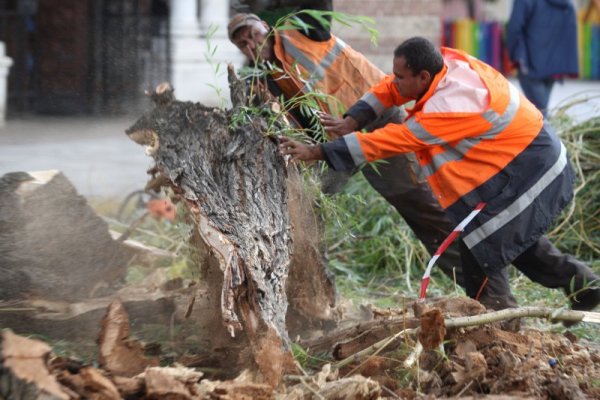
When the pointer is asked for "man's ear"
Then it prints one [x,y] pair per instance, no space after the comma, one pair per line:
[424,77]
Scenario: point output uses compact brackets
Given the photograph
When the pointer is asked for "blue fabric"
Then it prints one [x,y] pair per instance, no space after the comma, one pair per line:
[362,113]
[537,90]
[595,52]
[542,37]
[504,245]
[337,155]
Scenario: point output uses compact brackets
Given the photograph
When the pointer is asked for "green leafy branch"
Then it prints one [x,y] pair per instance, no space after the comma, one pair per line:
[209,57]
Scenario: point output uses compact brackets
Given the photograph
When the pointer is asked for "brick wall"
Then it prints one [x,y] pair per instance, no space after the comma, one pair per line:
[396,20]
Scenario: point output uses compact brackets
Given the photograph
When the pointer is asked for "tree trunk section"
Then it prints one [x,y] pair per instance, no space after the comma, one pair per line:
[234,182]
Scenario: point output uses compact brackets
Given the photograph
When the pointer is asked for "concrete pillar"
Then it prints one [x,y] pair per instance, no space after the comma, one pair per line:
[5,63]
[201,51]
[184,19]
[215,14]
[186,48]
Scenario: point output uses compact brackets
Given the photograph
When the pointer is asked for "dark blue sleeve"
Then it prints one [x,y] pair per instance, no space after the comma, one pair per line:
[362,113]
[516,32]
[337,155]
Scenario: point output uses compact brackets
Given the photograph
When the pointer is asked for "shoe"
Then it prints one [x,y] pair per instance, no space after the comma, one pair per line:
[502,302]
[512,325]
[586,300]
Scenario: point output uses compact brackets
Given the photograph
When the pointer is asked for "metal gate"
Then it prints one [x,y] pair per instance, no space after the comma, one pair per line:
[17,22]
[135,51]
[84,56]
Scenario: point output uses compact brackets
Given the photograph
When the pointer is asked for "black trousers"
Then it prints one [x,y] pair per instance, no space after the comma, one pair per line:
[398,182]
[542,263]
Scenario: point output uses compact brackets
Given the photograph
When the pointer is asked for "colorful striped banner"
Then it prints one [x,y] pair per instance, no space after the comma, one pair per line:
[484,40]
[589,50]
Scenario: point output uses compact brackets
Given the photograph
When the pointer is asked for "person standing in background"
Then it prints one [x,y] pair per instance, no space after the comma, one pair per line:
[542,43]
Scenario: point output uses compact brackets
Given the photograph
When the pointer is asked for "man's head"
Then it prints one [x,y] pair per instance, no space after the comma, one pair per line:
[250,34]
[416,62]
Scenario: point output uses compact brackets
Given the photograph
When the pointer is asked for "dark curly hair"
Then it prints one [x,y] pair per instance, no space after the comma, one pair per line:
[420,54]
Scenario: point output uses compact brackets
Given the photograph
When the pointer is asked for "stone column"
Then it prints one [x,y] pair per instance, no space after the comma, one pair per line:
[5,63]
[214,16]
[201,51]
[186,51]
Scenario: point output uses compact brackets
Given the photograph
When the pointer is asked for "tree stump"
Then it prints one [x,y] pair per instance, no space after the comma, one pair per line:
[234,182]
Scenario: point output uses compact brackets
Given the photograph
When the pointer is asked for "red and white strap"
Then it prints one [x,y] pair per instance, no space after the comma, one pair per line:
[453,235]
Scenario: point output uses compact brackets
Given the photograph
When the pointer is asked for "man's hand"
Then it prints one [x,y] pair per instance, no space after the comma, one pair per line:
[337,127]
[299,151]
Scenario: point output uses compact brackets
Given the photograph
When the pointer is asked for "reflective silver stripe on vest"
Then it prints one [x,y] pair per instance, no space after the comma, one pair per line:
[520,204]
[374,103]
[317,72]
[422,133]
[499,123]
[303,60]
[335,51]
[354,147]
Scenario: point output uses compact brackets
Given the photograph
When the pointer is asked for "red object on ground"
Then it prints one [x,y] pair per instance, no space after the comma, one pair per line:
[162,208]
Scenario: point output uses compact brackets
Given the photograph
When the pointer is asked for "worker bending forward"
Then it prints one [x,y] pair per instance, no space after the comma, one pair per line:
[477,139]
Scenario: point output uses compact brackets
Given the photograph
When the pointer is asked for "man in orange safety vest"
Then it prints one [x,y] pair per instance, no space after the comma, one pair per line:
[477,139]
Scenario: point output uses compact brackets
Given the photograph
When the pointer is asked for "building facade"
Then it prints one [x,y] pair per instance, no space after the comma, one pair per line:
[99,56]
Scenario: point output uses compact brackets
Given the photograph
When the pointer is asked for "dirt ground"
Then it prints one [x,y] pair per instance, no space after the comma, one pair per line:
[486,361]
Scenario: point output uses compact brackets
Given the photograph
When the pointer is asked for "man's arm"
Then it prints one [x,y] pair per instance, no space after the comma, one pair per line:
[369,107]
[335,153]
[300,151]
[338,127]
[515,34]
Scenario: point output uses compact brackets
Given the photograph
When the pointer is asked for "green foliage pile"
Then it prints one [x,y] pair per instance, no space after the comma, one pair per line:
[578,230]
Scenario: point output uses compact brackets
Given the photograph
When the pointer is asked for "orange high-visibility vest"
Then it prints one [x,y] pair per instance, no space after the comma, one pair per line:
[458,151]
[477,139]
[330,67]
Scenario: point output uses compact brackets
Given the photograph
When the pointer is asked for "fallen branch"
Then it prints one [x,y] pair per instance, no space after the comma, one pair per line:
[553,315]
[374,349]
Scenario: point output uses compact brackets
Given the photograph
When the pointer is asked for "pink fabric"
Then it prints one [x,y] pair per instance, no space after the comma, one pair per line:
[461,90]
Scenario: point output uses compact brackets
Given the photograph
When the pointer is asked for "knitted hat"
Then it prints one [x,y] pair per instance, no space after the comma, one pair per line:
[239,21]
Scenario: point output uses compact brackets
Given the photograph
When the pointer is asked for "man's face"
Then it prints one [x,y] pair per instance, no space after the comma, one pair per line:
[410,85]
[253,41]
